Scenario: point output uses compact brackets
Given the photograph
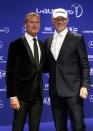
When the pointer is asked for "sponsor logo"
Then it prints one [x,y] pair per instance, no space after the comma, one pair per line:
[2,59]
[76,9]
[1,90]
[91,98]
[46,87]
[1,104]
[1,44]
[91,71]
[47,30]
[47,74]
[46,101]
[74,29]
[4,30]
[2,74]
[91,85]
[90,44]
[87,31]
[23,29]
[90,57]
[44,11]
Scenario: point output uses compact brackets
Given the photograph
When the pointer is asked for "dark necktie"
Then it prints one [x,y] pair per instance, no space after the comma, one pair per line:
[36,54]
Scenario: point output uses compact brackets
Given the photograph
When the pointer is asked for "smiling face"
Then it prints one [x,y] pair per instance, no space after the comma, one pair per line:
[60,23]
[32,24]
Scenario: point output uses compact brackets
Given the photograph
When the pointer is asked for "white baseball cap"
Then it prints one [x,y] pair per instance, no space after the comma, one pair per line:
[60,12]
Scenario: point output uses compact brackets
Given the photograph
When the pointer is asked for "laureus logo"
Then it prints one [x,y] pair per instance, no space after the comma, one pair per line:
[44,11]
[78,9]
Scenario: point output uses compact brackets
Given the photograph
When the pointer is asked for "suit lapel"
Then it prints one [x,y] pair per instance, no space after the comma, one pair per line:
[40,50]
[28,49]
[50,42]
[49,46]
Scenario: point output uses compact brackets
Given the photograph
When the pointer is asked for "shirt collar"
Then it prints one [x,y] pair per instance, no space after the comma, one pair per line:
[63,33]
[29,37]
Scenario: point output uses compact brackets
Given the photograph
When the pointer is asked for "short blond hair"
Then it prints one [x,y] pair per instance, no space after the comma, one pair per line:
[31,14]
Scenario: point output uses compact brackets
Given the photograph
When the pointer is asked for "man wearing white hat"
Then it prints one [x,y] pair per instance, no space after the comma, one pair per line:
[67,63]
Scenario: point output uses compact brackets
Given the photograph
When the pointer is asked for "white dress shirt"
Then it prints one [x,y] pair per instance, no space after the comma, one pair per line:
[30,41]
[57,42]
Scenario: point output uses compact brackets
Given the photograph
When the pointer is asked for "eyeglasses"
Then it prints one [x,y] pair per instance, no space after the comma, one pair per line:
[60,19]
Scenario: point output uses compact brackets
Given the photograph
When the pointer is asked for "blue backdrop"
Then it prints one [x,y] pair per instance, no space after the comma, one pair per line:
[12,14]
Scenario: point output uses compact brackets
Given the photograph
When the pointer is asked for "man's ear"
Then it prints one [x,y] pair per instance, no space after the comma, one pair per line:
[67,20]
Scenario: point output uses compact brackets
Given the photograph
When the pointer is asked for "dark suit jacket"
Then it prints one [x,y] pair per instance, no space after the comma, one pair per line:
[23,77]
[71,70]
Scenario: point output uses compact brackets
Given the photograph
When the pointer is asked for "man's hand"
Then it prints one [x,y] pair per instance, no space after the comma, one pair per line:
[14,102]
[83,92]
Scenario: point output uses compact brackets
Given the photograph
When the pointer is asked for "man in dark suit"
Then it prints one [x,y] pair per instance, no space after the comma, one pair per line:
[67,63]
[24,76]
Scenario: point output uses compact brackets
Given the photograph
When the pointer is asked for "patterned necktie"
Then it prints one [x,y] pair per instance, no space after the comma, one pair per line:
[36,54]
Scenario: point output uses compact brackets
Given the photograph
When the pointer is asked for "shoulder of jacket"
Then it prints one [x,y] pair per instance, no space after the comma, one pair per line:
[75,34]
[16,42]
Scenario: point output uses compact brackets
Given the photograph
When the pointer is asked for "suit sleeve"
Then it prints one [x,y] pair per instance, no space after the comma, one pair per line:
[84,64]
[11,69]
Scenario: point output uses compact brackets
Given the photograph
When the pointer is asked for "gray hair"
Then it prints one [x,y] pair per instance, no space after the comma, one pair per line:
[31,14]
